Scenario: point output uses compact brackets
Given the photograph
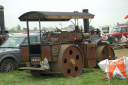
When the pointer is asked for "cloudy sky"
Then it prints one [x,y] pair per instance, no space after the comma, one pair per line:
[107,12]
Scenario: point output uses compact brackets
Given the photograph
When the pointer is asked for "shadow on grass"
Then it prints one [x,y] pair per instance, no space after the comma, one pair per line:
[54,77]
[90,70]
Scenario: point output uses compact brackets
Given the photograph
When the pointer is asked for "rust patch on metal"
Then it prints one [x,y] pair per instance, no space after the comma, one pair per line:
[24,53]
[91,51]
[83,48]
[91,62]
[91,56]
[46,53]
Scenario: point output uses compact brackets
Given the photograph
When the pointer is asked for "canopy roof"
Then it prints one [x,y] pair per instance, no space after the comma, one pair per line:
[54,16]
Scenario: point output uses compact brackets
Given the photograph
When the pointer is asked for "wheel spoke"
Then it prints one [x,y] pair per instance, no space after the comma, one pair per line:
[8,66]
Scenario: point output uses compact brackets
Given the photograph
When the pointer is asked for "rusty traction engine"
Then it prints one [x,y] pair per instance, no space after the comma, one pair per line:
[67,52]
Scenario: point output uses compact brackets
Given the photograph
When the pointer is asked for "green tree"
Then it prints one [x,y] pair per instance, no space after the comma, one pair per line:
[12,30]
[24,29]
[18,27]
[91,27]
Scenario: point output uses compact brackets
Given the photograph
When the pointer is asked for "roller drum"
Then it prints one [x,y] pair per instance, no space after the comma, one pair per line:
[102,53]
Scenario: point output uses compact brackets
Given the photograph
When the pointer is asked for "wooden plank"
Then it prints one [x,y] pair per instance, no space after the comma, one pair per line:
[31,68]
[119,45]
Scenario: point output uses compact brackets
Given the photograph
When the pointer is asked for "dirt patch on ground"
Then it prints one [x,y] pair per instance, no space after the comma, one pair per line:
[120,53]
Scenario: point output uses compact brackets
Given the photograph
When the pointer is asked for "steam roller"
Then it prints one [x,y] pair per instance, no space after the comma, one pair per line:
[70,61]
[67,52]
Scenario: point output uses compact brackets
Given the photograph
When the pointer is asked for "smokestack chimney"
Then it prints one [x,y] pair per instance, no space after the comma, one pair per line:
[1,18]
[86,22]
[2,27]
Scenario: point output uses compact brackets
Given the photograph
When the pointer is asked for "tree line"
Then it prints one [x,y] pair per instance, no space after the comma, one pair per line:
[18,29]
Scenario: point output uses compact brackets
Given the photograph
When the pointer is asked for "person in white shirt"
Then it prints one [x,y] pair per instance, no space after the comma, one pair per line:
[123,39]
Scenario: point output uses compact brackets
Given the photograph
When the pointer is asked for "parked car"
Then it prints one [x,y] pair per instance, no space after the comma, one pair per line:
[117,32]
[10,57]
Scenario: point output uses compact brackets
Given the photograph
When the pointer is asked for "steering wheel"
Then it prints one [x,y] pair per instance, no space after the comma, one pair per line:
[44,33]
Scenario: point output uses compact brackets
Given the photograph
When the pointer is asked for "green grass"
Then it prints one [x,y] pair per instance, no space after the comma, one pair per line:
[119,41]
[121,52]
[91,76]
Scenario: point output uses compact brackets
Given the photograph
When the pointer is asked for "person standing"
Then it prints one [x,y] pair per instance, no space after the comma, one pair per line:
[104,37]
[123,39]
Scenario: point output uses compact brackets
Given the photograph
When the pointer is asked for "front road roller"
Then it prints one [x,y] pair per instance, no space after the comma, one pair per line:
[103,52]
[70,61]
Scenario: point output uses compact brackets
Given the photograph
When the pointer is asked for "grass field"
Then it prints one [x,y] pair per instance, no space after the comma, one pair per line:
[120,53]
[91,76]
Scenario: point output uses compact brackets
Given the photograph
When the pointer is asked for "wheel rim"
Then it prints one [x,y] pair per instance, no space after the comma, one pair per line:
[8,67]
[72,62]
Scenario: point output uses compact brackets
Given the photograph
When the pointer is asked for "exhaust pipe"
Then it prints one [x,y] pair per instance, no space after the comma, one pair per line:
[86,22]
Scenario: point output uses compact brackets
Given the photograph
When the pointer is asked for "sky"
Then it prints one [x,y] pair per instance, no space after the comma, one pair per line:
[107,12]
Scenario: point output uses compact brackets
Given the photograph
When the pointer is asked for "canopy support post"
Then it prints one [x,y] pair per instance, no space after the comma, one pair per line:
[28,31]
[40,29]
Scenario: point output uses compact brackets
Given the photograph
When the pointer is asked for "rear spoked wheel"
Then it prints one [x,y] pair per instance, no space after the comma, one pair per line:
[70,61]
